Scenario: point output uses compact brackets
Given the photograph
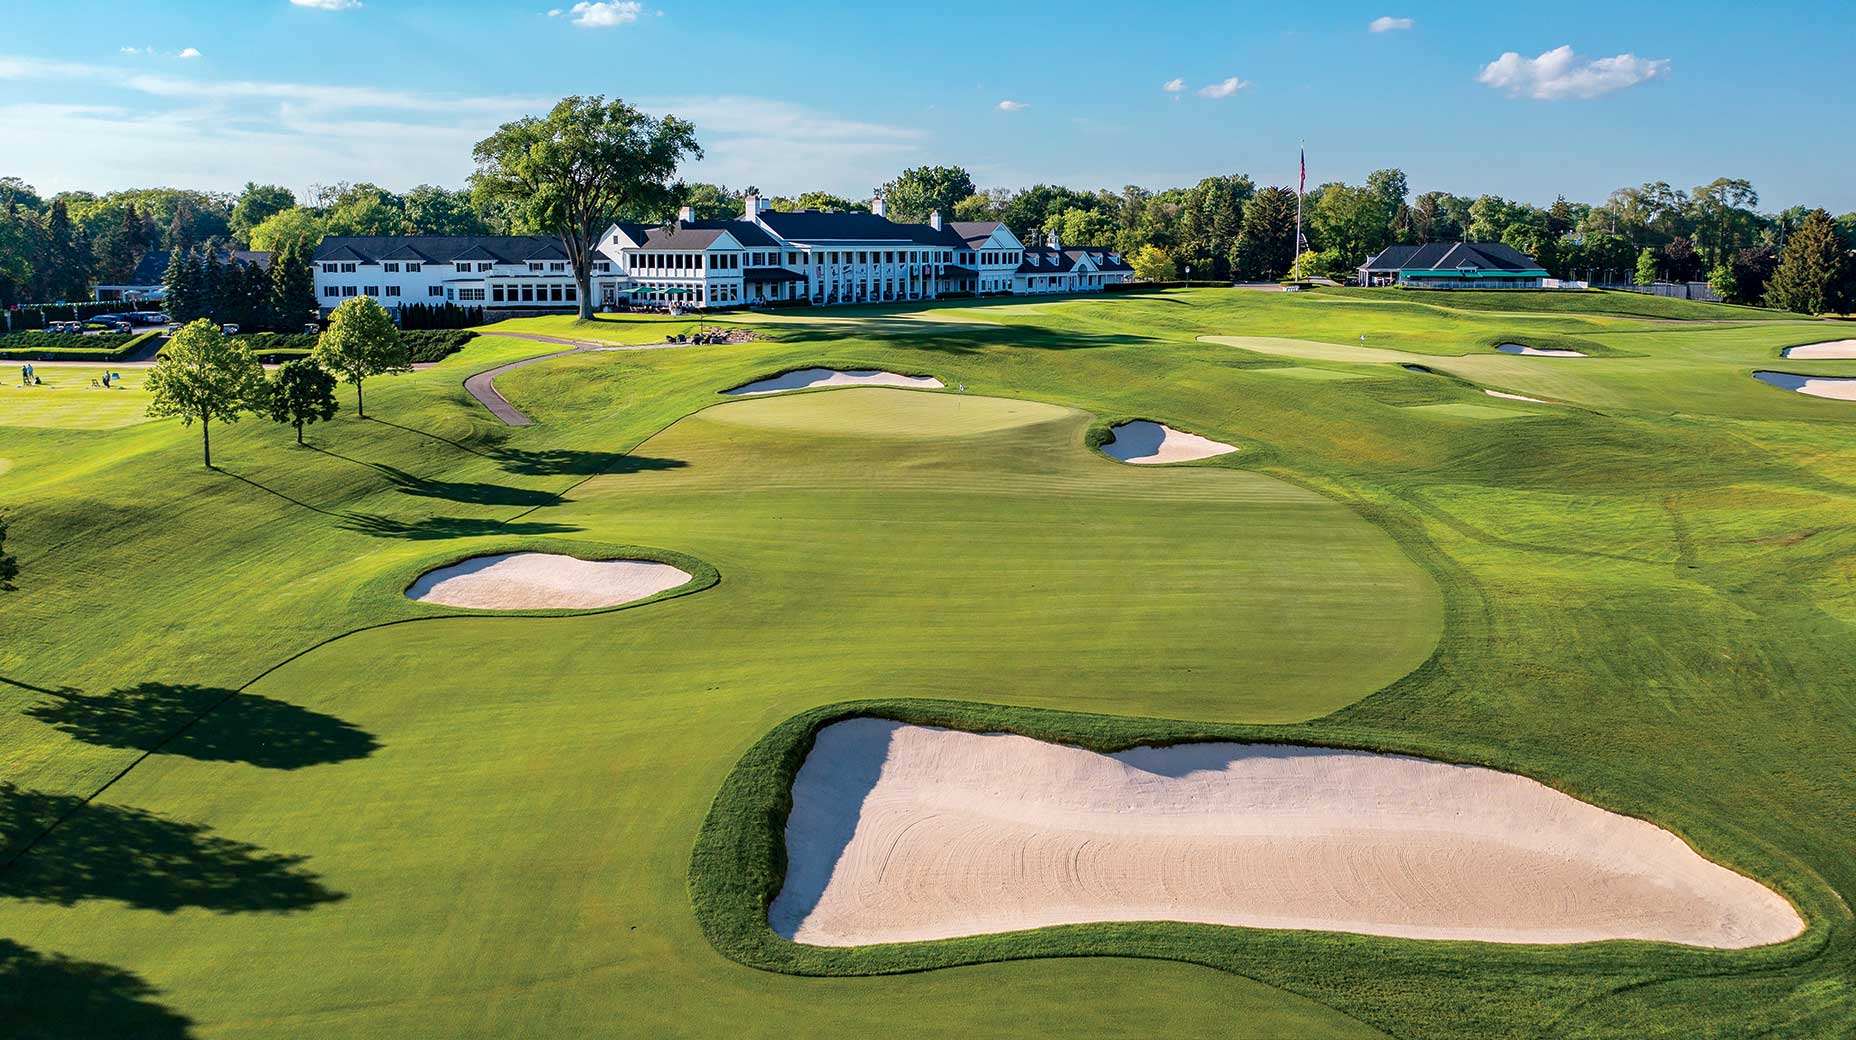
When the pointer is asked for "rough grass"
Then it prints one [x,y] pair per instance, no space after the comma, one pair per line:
[484,825]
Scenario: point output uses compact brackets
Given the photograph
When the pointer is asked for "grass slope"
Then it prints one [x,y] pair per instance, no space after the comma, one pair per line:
[477,825]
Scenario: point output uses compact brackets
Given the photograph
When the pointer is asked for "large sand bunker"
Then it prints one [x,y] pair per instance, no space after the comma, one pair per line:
[543,581]
[902,833]
[809,378]
[1146,443]
[1835,350]
[1521,348]
[1837,388]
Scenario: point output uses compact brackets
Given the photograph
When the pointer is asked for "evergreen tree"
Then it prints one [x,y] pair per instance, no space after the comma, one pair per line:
[292,289]
[177,282]
[1813,275]
[1266,245]
[122,248]
[1646,266]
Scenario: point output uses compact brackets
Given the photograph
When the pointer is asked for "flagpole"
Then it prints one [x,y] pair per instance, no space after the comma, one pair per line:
[1301,180]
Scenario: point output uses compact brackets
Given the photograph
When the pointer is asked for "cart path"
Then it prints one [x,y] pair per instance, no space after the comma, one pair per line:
[482,385]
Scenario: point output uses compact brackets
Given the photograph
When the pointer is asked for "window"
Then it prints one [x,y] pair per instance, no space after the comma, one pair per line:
[463,266]
[413,268]
[331,290]
[330,268]
[534,265]
[390,268]
[557,267]
[435,290]
[347,290]
[528,294]
[373,290]
[470,294]
[554,293]
[573,293]
[347,268]
[393,290]
[484,267]
[496,294]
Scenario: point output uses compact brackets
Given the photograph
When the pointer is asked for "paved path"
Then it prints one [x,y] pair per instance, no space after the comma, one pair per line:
[482,385]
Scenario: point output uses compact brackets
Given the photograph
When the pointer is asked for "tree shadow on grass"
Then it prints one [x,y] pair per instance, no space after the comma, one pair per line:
[102,851]
[46,996]
[249,727]
[472,493]
[572,462]
[437,527]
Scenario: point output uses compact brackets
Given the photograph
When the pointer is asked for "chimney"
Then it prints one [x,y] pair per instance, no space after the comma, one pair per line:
[686,213]
[751,207]
[763,205]
[877,207]
[934,219]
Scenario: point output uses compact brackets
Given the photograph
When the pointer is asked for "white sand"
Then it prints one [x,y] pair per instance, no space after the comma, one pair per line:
[1837,388]
[1146,443]
[1516,348]
[1835,350]
[902,833]
[1513,397]
[539,581]
[807,378]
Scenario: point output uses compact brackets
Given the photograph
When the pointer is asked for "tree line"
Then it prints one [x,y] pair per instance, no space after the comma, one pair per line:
[1222,228]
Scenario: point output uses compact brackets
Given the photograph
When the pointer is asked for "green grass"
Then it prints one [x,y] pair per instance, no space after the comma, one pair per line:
[475,825]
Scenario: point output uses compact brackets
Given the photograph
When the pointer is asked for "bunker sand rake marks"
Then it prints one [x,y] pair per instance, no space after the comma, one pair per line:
[903,833]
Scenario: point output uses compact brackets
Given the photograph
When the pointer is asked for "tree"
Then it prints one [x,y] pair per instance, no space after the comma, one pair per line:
[256,204]
[713,202]
[302,393]
[1814,273]
[1752,268]
[122,248]
[975,207]
[1646,266]
[1721,217]
[819,200]
[586,163]
[294,228]
[360,342]
[9,567]
[1266,245]
[431,210]
[203,375]
[917,192]
[292,287]
[1152,264]
[1680,260]
[1722,283]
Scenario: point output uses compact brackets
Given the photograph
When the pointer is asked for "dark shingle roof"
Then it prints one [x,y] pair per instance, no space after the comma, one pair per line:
[1449,256]
[816,226]
[973,232]
[153,266]
[443,249]
[696,234]
[771,274]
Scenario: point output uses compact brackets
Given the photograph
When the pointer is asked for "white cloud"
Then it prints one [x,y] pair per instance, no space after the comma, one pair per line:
[1224,89]
[1011,106]
[328,5]
[1174,85]
[1560,74]
[1386,23]
[190,52]
[606,14]
[554,12]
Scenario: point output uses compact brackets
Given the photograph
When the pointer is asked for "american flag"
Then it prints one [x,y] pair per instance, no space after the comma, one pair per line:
[1302,184]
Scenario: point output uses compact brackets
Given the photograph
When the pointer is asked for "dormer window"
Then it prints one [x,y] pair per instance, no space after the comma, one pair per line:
[463,266]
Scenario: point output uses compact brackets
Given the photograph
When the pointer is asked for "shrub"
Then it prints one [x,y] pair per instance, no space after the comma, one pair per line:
[424,345]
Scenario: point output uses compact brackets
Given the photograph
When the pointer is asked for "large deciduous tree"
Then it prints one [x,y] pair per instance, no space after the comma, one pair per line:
[588,162]
[256,204]
[360,342]
[1152,264]
[202,376]
[1813,276]
[917,192]
[303,393]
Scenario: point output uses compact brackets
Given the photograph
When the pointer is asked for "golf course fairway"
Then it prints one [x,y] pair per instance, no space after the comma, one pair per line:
[251,789]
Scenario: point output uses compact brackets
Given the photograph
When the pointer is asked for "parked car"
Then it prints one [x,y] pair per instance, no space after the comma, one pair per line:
[108,319]
[173,327]
[229,329]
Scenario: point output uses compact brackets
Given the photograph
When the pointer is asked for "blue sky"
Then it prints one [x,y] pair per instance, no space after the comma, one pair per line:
[842,95]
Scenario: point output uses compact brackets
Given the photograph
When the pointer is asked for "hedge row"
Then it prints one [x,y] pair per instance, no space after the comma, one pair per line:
[69,346]
[37,315]
[422,345]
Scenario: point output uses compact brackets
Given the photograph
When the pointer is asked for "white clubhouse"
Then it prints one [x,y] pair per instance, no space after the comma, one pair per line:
[764,257]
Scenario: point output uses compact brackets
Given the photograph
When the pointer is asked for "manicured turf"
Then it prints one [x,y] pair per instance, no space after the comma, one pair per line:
[483,826]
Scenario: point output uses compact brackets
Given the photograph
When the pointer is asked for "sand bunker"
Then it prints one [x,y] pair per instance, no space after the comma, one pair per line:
[902,833]
[1517,348]
[541,581]
[1837,388]
[807,378]
[1835,350]
[1513,397]
[1146,443]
